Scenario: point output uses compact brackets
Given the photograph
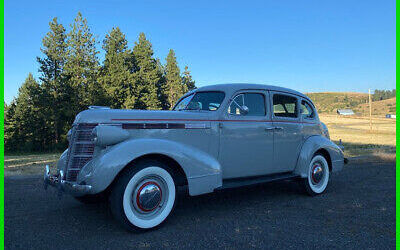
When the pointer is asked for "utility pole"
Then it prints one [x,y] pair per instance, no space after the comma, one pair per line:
[370,110]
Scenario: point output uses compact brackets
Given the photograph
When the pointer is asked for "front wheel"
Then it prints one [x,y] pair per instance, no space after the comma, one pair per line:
[143,196]
[317,175]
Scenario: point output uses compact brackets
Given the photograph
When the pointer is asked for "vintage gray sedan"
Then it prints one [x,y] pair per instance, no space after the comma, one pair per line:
[215,137]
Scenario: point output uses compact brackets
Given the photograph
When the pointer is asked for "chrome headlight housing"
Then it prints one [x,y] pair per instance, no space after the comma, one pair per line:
[105,135]
[69,134]
[94,136]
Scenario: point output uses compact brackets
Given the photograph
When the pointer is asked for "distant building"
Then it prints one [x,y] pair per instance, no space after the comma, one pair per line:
[391,116]
[345,112]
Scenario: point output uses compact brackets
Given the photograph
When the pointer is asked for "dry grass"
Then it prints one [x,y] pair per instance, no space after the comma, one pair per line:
[379,108]
[357,130]
[359,140]
[29,164]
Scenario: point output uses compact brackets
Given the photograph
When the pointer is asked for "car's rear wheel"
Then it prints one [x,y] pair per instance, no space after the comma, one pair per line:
[317,175]
[144,195]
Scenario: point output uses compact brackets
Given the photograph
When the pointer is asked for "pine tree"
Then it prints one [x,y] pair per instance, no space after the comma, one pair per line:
[10,127]
[71,79]
[82,66]
[30,122]
[147,77]
[173,88]
[187,79]
[163,98]
[57,91]
[116,77]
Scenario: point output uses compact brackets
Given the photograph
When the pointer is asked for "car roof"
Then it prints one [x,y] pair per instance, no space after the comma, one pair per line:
[233,87]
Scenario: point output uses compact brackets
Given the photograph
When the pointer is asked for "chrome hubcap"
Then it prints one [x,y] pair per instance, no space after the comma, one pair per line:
[317,173]
[148,196]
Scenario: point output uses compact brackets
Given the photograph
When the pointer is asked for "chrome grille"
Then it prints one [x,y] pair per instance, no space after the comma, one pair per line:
[83,149]
[80,150]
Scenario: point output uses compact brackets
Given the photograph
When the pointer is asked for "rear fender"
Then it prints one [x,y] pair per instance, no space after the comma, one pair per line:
[311,146]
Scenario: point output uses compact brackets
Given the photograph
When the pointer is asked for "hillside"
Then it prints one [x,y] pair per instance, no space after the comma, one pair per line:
[379,107]
[329,102]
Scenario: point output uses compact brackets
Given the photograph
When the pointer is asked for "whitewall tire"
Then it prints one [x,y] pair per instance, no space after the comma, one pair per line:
[317,175]
[144,195]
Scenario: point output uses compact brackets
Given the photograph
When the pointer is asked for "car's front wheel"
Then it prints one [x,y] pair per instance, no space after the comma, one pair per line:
[317,175]
[144,195]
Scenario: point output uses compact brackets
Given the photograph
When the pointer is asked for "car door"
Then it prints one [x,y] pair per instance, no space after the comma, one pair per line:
[309,119]
[288,130]
[246,140]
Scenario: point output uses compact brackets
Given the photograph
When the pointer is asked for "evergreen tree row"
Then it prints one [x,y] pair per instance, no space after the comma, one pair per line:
[72,78]
[380,95]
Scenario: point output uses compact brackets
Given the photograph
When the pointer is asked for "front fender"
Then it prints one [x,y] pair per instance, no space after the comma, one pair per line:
[311,146]
[62,162]
[203,171]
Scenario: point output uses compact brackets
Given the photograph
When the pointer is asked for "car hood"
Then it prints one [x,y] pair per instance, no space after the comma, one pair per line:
[124,115]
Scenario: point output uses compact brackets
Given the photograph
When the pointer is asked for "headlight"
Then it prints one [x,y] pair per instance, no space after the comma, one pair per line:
[93,136]
[105,135]
[69,135]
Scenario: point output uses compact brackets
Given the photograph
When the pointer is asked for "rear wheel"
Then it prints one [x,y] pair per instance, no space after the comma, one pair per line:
[317,176]
[144,195]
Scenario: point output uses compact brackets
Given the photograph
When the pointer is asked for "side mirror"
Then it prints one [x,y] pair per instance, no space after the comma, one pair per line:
[244,110]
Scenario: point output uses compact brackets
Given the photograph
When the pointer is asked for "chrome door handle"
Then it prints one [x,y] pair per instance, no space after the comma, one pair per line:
[273,128]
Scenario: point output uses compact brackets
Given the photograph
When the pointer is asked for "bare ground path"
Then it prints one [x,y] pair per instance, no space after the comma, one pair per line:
[357,211]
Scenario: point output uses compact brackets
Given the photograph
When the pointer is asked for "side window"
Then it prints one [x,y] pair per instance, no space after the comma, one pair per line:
[253,101]
[183,103]
[307,110]
[285,106]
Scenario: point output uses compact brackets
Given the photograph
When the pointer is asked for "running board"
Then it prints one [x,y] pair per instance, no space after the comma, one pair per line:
[247,181]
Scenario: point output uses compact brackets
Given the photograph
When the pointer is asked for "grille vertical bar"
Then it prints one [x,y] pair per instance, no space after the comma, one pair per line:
[80,150]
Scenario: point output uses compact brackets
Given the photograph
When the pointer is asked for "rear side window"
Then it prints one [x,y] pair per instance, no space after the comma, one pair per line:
[307,111]
[253,101]
[285,106]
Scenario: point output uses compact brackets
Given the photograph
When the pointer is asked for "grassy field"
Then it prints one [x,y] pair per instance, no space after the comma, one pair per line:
[29,163]
[359,141]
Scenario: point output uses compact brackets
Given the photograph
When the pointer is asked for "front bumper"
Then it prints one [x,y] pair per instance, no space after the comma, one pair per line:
[340,145]
[62,185]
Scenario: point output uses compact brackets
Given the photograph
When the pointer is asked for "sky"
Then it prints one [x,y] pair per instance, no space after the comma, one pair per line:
[309,46]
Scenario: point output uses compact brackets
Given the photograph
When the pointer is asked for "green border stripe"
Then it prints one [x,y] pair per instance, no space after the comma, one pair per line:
[2,129]
[397,139]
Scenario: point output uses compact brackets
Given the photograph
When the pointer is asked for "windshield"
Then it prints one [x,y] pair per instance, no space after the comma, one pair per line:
[209,101]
